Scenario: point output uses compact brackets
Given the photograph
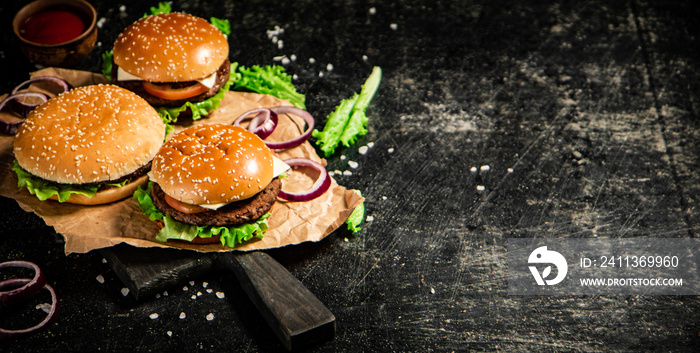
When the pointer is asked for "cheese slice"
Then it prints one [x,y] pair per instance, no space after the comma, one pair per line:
[278,167]
[122,75]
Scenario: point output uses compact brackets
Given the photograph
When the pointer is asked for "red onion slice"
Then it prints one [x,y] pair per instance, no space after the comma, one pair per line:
[32,286]
[321,185]
[49,317]
[262,124]
[23,109]
[61,82]
[295,141]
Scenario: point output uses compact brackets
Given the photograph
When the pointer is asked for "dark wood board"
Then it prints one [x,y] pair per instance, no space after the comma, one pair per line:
[294,314]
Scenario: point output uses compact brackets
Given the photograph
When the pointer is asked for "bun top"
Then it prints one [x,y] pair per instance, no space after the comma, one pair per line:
[171,47]
[213,163]
[89,134]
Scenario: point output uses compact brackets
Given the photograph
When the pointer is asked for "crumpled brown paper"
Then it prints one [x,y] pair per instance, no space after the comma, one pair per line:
[92,227]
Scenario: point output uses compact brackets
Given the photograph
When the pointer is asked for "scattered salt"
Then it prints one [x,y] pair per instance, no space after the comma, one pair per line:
[192,283]
[510,170]
[372,10]
[432,290]
[394,26]
[185,289]
[100,279]
[182,315]
[480,188]
[104,261]
[193,297]
[170,333]
[209,290]
[370,144]
[391,150]
[369,218]
[312,60]
[210,317]
[220,295]
[101,22]
[384,197]
[153,316]
[125,291]
[122,8]
[205,284]
[343,157]
[363,150]
[353,164]
[473,169]
[365,58]
[485,168]
[285,61]
[329,67]
[347,173]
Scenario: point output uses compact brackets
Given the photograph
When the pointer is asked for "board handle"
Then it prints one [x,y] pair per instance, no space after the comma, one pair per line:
[296,315]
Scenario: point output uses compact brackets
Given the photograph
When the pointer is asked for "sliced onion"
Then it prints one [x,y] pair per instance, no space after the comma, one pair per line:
[61,82]
[262,124]
[11,128]
[49,317]
[295,141]
[28,289]
[320,186]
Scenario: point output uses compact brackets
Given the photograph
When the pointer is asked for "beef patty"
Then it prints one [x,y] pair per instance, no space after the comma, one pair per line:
[235,213]
[222,75]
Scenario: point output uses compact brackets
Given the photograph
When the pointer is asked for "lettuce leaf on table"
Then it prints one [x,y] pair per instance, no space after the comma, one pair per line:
[349,120]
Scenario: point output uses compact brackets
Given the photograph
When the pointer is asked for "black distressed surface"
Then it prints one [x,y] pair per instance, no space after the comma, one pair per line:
[594,106]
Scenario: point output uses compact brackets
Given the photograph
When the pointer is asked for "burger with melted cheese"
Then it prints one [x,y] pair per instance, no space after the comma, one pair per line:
[91,145]
[212,183]
[176,61]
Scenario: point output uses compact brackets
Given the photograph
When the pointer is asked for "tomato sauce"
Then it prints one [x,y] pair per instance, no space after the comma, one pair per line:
[52,27]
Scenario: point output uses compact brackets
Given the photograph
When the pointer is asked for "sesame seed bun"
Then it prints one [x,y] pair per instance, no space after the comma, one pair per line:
[212,164]
[171,47]
[90,134]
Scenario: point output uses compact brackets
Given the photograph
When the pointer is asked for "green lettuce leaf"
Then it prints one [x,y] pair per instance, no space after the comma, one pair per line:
[107,64]
[163,7]
[358,214]
[269,79]
[44,189]
[173,229]
[222,24]
[349,120]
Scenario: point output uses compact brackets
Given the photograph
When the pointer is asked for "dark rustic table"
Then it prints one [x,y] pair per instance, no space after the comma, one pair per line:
[584,114]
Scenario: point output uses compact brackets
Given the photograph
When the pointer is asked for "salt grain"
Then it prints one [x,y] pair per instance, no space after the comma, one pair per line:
[347,173]
[391,150]
[480,188]
[220,295]
[170,333]
[363,150]
[353,164]
[485,168]
[182,315]
[473,169]
[372,10]
[210,317]
[153,316]
[125,291]
[394,26]
[510,170]
[369,218]
[100,279]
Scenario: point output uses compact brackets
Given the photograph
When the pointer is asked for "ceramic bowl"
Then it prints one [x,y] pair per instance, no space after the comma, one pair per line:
[64,54]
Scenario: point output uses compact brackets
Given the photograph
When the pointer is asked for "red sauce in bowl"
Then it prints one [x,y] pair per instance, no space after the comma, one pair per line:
[52,27]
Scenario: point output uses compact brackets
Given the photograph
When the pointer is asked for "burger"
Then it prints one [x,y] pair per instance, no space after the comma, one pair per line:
[91,145]
[212,183]
[177,62]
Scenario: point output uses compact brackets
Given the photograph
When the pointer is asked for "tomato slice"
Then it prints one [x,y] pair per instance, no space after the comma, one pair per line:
[167,91]
[184,207]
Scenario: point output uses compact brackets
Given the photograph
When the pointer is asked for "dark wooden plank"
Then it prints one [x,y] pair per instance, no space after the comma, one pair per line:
[296,316]
[147,271]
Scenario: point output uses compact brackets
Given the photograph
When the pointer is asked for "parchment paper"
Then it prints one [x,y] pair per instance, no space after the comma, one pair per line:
[91,227]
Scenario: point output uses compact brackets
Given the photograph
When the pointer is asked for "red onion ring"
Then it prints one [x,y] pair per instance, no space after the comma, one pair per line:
[262,127]
[9,128]
[321,185]
[296,141]
[61,82]
[32,286]
[49,317]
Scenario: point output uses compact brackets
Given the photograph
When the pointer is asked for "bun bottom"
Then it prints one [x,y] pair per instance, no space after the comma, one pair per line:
[107,195]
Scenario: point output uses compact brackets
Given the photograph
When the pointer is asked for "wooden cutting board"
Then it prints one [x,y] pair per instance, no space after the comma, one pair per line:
[296,316]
